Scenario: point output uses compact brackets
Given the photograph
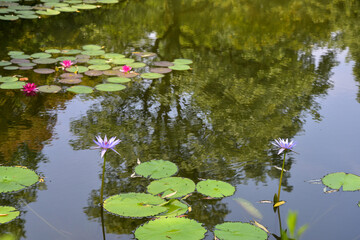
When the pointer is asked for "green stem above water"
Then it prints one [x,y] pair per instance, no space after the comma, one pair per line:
[102,184]
[282,172]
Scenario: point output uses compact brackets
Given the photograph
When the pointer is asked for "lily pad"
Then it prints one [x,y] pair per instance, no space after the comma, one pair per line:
[180,67]
[85,6]
[71,75]
[174,208]
[100,67]
[27,64]
[70,80]
[171,228]
[127,75]
[93,52]
[25,68]
[166,186]
[160,70]
[348,182]
[122,61]
[28,16]
[135,205]
[49,88]
[69,58]
[44,70]
[156,169]
[80,89]
[48,12]
[113,55]
[8,79]
[145,54]
[94,73]
[109,87]
[111,72]
[16,178]
[56,4]
[19,60]
[97,61]
[137,65]
[66,9]
[52,51]
[163,64]
[41,55]
[152,75]
[21,56]
[239,230]
[12,85]
[118,80]
[91,47]
[70,51]
[8,214]
[79,69]
[183,61]
[11,67]
[13,53]
[9,17]
[5,63]
[108,1]
[215,189]
[45,61]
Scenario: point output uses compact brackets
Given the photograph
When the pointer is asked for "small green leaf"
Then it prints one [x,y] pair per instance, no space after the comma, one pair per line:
[165,186]
[239,230]
[16,178]
[349,182]
[109,87]
[156,169]
[8,214]
[215,189]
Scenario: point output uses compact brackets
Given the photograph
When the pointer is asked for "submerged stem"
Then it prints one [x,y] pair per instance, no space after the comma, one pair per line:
[282,171]
[102,184]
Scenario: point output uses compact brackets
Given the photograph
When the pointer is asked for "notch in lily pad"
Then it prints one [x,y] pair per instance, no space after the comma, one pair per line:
[169,185]
[215,189]
[171,228]
[239,230]
[156,169]
[348,181]
[16,178]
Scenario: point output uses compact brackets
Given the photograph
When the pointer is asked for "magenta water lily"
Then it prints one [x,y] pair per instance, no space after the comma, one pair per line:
[283,144]
[30,89]
[106,144]
[126,69]
[66,63]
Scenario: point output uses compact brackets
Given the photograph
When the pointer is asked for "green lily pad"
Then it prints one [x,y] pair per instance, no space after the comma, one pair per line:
[21,56]
[11,67]
[19,7]
[156,169]
[52,51]
[28,16]
[109,87]
[122,61]
[145,54]
[17,61]
[166,186]
[171,228]
[48,12]
[111,72]
[5,63]
[239,230]
[93,52]
[16,178]
[127,75]
[163,64]
[8,79]
[25,12]
[8,214]
[135,205]
[174,208]
[118,80]
[91,47]
[9,17]
[49,88]
[71,75]
[160,70]
[113,55]
[25,68]
[79,69]
[97,61]
[5,10]
[180,67]
[70,80]
[100,67]
[44,70]
[66,9]
[70,51]
[85,6]
[137,65]
[70,58]
[45,60]
[93,73]
[108,1]
[215,189]
[13,53]
[152,75]
[80,89]
[56,4]
[12,85]
[41,55]
[348,182]
[183,61]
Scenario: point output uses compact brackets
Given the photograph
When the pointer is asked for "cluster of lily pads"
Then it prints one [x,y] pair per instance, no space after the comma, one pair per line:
[165,203]
[11,10]
[92,61]
[14,179]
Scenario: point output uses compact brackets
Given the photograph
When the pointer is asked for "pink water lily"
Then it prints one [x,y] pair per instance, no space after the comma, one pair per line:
[30,89]
[66,63]
[126,69]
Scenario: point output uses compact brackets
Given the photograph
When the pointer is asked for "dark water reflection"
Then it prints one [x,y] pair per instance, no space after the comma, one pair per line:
[255,77]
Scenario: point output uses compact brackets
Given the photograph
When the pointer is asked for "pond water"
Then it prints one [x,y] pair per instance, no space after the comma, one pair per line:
[261,70]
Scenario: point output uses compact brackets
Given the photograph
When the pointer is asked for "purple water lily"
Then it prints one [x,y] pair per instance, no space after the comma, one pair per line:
[105,144]
[283,144]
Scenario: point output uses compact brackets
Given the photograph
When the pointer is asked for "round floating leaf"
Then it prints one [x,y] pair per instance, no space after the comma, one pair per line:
[81,56]
[100,67]
[113,55]
[4,63]
[163,64]
[109,87]
[97,61]
[20,7]
[9,17]
[174,208]
[48,12]
[85,6]
[127,75]
[171,228]
[156,169]
[16,178]
[166,186]
[45,60]
[8,79]
[71,75]
[70,51]
[111,72]
[70,80]
[49,88]
[91,47]
[80,89]
[118,80]
[25,68]
[21,56]
[41,55]
[13,53]
[19,61]
[66,9]
[145,54]
[27,64]
[183,61]
[11,68]
[70,58]
[5,10]
[28,16]
[135,205]
[123,61]
[12,85]
[160,70]
[180,67]
[25,12]
[349,182]
[8,214]
[52,51]
[239,230]
[137,65]
[93,52]
[151,75]
[44,70]
[108,1]
[93,73]
[215,189]
[56,4]
[79,69]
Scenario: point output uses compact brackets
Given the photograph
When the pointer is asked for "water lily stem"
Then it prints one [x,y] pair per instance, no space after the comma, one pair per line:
[102,184]
[282,172]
